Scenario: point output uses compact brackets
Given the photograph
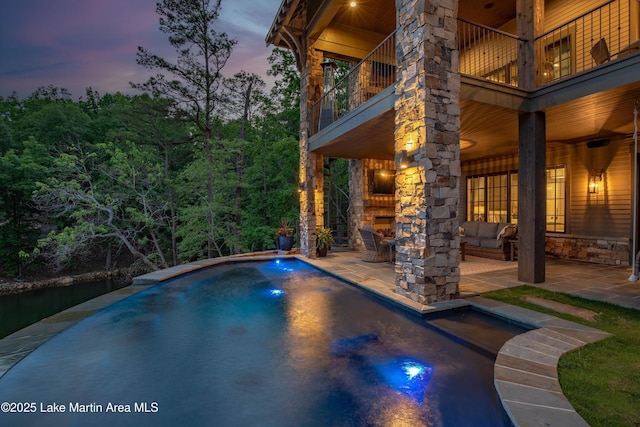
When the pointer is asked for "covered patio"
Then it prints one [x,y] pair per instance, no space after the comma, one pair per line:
[477,275]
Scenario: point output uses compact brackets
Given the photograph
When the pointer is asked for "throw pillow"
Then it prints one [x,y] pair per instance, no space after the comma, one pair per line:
[507,231]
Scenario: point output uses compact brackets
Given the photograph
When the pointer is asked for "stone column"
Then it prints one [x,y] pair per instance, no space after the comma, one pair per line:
[356,208]
[311,172]
[427,128]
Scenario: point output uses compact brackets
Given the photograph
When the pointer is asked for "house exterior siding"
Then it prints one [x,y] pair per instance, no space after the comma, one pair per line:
[598,225]
[534,96]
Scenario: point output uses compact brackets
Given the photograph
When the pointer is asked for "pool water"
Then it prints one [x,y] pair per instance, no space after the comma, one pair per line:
[258,344]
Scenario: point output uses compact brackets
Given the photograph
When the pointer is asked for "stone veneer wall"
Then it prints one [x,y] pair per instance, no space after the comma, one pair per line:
[428,119]
[601,251]
[356,203]
[311,172]
[365,206]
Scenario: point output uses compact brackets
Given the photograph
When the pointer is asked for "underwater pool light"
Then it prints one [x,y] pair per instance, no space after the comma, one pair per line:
[406,375]
[412,370]
[282,265]
[276,292]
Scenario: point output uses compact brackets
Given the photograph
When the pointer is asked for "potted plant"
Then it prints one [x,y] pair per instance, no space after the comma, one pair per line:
[324,239]
[285,235]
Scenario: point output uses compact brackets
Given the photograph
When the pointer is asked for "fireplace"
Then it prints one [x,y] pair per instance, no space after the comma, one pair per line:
[385,224]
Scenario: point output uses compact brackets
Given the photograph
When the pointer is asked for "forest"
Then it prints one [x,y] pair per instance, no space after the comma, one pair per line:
[195,165]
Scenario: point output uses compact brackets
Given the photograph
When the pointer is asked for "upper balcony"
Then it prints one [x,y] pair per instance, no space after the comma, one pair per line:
[588,55]
[604,35]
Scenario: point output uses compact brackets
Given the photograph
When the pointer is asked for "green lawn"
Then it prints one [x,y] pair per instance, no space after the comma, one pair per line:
[601,380]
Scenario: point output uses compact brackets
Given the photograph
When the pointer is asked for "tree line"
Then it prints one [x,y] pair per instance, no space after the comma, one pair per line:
[196,165]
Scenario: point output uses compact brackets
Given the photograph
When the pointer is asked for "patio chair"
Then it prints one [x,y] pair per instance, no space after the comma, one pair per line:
[377,250]
[600,52]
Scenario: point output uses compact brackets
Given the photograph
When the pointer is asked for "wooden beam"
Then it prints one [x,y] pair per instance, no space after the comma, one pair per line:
[530,21]
[348,41]
[531,197]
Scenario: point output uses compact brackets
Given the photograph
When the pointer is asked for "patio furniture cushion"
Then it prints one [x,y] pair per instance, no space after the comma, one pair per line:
[470,228]
[506,231]
[470,240]
[490,243]
[487,229]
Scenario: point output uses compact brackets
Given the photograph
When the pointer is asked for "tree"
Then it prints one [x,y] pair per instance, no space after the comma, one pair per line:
[110,193]
[286,89]
[19,170]
[149,121]
[246,97]
[195,78]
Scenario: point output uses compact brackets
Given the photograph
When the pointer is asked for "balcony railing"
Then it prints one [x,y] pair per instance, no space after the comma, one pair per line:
[372,75]
[602,34]
[487,53]
[599,35]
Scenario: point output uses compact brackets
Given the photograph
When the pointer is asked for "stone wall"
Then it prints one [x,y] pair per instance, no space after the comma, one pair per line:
[311,176]
[427,127]
[365,205]
[356,204]
[601,251]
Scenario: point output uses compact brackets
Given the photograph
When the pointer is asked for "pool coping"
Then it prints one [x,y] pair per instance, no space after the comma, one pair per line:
[525,370]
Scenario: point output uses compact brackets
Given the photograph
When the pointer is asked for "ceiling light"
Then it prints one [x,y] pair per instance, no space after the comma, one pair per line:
[353,4]
[465,143]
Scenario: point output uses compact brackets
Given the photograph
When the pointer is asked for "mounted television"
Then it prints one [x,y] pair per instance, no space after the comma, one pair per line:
[383,181]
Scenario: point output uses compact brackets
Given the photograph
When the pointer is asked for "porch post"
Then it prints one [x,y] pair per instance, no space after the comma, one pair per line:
[531,197]
[530,23]
[311,167]
[531,150]
[356,204]
[427,125]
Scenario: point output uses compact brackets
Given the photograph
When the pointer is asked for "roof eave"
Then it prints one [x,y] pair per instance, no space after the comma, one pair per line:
[283,16]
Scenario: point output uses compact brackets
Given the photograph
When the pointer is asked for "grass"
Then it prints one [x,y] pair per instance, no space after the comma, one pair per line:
[601,380]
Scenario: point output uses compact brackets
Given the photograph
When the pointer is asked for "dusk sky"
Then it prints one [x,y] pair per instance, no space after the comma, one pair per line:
[79,43]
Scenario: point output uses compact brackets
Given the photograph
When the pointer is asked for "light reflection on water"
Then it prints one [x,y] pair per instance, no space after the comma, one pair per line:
[258,344]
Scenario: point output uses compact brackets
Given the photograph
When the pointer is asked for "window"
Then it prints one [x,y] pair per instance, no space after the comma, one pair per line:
[507,74]
[557,60]
[497,198]
[513,199]
[555,215]
[476,198]
[494,198]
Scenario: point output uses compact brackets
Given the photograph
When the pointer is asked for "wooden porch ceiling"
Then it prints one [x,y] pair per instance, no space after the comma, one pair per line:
[345,32]
[493,130]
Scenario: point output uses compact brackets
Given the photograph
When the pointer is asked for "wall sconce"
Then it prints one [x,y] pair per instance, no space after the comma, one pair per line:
[595,178]
[301,187]
[405,159]
[409,144]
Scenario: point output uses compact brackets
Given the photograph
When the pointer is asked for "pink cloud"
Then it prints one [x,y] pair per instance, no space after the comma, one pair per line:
[80,43]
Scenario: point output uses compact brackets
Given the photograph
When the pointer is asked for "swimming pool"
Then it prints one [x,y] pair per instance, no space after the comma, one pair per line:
[255,344]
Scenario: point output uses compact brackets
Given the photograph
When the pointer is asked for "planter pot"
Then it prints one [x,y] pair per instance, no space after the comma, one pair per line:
[285,243]
[322,251]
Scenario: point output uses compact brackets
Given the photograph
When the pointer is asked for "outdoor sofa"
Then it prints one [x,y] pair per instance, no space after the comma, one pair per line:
[488,239]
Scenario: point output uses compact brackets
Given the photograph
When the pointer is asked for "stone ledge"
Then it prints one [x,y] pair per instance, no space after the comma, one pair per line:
[526,370]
